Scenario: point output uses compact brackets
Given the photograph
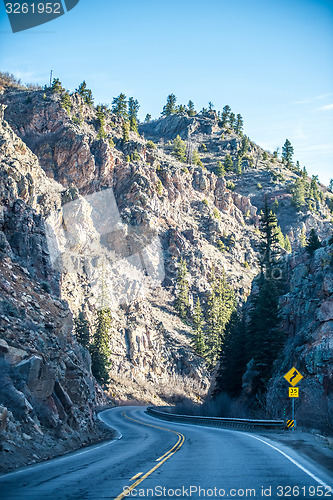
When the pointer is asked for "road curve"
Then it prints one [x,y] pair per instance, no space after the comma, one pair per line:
[154,459]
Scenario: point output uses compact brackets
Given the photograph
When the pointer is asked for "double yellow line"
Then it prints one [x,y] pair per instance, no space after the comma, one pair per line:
[160,460]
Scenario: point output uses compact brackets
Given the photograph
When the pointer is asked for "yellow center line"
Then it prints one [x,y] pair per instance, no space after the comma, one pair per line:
[161,460]
[136,476]
[167,453]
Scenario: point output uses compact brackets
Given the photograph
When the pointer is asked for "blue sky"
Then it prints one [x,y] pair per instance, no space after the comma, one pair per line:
[271,61]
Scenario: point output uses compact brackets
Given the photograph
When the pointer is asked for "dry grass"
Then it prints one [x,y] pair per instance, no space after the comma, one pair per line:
[169,389]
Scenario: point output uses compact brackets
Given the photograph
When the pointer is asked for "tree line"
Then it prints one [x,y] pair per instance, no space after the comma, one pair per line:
[253,338]
[226,117]
[209,316]
[97,340]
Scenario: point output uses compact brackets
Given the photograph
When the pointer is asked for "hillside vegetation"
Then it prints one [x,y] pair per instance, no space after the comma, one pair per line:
[168,259]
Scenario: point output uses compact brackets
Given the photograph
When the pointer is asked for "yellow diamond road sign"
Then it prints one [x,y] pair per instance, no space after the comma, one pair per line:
[293,376]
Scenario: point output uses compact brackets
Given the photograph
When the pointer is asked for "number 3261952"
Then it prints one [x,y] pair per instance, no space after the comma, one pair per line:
[33,8]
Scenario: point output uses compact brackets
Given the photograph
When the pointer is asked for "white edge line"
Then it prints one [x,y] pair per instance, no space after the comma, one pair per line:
[60,459]
[293,461]
[313,476]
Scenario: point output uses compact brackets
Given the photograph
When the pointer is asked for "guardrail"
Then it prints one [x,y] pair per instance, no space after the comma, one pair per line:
[241,423]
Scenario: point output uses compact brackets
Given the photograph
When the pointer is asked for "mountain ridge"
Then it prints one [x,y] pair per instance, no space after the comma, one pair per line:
[71,150]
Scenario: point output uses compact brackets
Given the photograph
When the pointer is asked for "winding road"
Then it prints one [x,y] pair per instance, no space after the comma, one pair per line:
[156,459]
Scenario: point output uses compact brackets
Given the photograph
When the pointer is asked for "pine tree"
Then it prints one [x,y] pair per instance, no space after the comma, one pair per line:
[239,124]
[100,348]
[210,106]
[82,329]
[182,294]
[220,305]
[275,205]
[181,109]
[298,194]
[220,170]
[212,340]
[57,87]
[119,106]
[265,340]
[101,122]
[190,108]
[245,145]
[170,107]
[148,118]
[313,242]
[287,244]
[125,132]
[287,152]
[232,120]
[233,358]
[133,108]
[179,149]
[269,245]
[198,321]
[196,159]
[280,236]
[85,93]
[66,102]
[228,163]
[225,115]
[302,239]
[238,167]
[314,191]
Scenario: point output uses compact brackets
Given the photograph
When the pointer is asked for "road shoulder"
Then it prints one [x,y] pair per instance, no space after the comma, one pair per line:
[314,447]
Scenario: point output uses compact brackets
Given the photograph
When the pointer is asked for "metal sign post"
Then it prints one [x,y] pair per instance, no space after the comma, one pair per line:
[293,412]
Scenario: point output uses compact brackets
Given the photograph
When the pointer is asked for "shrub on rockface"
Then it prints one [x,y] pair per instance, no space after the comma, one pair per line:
[179,149]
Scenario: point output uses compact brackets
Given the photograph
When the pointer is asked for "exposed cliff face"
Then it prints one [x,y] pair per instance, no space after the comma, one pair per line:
[47,389]
[68,152]
[153,192]
[150,346]
[104,220]
[307,320]
[261,178]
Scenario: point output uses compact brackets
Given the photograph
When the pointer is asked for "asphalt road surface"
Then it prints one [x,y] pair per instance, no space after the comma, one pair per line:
[158,459]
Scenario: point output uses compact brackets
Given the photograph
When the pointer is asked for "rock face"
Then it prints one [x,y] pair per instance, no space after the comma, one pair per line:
[84,216]
[47,388]
[261,178]
[306,319]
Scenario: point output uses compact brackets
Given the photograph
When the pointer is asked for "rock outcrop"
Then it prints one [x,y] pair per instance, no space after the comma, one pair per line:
[85,215]
[47,388]
[306,313]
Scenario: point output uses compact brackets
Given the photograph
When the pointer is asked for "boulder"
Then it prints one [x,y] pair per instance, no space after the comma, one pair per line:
[3,418]
[325,312]
[12,354]
[39,377]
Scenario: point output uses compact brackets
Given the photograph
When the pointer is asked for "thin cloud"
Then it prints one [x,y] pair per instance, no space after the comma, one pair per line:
[299,132]
[326,108]
[318,147]
[312,99]
[29,76]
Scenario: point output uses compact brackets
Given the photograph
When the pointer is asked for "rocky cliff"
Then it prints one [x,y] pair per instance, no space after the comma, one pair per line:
[306,315]
[48,395]
[88,217]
